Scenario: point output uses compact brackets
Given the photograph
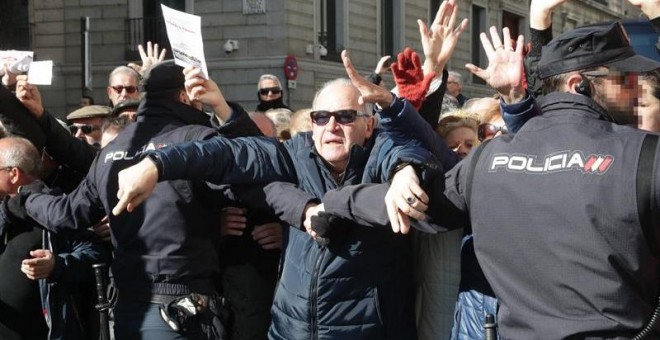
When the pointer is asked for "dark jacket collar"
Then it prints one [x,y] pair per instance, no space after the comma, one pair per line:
[557,103]
[172,109]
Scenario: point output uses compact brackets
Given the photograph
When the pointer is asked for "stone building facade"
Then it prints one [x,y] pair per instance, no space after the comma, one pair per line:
[266,31]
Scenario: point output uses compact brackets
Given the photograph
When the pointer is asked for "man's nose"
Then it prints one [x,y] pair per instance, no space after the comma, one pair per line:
[332,124]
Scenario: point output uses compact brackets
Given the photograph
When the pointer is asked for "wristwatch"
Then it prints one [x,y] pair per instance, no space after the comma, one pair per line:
[155,158]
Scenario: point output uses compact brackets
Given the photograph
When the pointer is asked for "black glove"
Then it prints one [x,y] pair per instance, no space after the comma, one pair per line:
[328,227]
[15,205]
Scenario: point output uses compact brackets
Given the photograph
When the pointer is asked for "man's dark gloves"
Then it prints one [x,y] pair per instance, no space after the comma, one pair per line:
[329,228]
[15,205]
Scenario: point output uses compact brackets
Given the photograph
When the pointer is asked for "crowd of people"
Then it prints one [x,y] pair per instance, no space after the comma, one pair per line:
[323,223]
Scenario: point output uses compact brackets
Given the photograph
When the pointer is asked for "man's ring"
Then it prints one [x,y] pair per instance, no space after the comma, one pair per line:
[410,200]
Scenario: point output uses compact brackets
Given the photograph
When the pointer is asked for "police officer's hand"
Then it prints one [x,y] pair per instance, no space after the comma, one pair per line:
[440,39]
[102,230]
[505,72]
[404,199]
[135,185]
[29,95]
[369,92]
[232,221]
[206,91]
[40,266]
[269,235]
[312,209]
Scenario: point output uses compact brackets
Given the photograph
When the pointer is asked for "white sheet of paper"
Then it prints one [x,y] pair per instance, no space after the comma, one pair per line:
[18,61]
[41,72]
[185,33]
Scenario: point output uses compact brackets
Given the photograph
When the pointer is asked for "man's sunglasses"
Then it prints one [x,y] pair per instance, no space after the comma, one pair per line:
[322,117]
[488,131]
[85,128]
[120,88]
[274,90]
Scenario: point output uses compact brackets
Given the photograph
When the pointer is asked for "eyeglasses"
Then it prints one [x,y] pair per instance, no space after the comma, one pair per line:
[274,90]
[488,131]
[121,88]
[85,128]
[322,117]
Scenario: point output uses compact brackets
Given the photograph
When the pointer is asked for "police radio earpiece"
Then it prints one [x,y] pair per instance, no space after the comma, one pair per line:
[584,87]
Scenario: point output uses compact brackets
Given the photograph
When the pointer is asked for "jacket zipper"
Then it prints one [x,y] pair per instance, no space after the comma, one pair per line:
[314,293]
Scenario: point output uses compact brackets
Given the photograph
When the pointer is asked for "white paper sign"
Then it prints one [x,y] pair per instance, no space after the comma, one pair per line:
[185,33]
[41,72]
[18,61]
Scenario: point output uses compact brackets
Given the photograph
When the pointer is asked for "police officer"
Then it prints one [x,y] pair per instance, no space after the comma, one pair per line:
[570,247]
[165,257]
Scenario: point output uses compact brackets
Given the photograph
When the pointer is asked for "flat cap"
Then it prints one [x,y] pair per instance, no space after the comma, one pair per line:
[90,112]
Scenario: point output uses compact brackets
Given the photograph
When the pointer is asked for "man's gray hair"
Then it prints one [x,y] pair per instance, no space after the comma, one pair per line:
[124,70]
[20,153]
[457,76]
[271,77]
[368,107]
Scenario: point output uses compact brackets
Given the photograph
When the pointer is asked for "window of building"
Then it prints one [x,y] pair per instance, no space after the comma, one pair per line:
[391,27]
[332,28]
[149,27]
[512,21]
[479,23]
[16,32]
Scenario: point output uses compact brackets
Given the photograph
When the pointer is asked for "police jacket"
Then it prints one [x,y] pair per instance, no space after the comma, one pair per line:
[361,289]
[555,221]
[167,245]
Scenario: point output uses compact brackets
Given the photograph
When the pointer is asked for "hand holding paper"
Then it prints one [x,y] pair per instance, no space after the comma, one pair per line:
[207,92]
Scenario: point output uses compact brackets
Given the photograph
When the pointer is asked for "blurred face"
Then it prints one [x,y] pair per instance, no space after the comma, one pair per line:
[648,108]
[123,87]
[620,91]
[269,90]
[87,129]
[333,140]
[461,140]
[84,102]
[453,88]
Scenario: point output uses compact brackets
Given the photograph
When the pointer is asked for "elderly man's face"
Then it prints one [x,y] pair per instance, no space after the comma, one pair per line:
[87,129]
[123,87]
[333,140]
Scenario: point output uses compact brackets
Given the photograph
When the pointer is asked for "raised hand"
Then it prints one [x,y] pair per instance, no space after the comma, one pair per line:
[380,67]
[369,92]
[410,80]
[149,58]
[29,95]
[505,71]
[650,7]
[540,13]
[8,78]
[206,91]
[439,40]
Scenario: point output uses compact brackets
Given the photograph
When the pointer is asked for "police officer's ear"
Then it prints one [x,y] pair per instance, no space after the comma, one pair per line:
[183,97]
[579,84]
